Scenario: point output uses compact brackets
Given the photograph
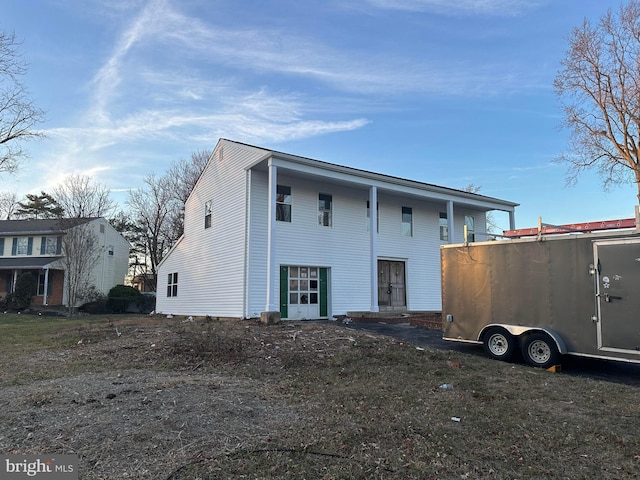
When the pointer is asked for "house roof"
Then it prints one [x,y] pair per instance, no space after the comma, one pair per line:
[27,262]
[308,166]
[40,226]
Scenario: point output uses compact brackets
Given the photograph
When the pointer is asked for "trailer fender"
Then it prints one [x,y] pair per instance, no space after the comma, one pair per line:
[519,330]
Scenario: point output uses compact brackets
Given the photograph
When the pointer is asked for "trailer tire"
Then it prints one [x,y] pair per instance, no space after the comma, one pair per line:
[499,344]
[540,350]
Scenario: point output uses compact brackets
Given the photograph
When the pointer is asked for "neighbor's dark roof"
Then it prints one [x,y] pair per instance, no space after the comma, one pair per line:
[49,225]
[26,262]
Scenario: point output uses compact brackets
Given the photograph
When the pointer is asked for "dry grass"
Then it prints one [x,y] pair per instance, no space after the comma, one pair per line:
[180,400]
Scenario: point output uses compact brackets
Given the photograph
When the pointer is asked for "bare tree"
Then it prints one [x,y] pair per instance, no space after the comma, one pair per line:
[81,250]
[491,224]
[184,174]
[151,210]
[157,213]
[8,205]
[599,87]
[18,115]
[82,198]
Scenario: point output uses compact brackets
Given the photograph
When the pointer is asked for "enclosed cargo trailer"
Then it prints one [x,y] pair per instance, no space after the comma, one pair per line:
[546,296]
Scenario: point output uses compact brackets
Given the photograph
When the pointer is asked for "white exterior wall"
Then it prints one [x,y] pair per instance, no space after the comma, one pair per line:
[109,270]
[210,262]
[222,270]
[344,248]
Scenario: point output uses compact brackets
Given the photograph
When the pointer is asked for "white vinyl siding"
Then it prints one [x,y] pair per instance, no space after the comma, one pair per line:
[223,270]
[210,262]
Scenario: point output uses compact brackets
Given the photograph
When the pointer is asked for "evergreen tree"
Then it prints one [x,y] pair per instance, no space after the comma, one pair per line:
[39,206]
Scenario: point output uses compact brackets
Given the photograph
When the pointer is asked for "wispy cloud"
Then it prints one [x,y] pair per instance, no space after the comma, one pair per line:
[488,7]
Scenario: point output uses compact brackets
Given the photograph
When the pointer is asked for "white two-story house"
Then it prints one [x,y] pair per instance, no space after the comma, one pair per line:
[35,246]
[266,231]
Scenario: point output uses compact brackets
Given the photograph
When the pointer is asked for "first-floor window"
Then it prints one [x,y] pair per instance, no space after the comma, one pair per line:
[172,285]
[41,277]
[407,221]
[469,222]
[444,227]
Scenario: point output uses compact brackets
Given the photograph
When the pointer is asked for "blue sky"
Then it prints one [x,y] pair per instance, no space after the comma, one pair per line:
[449,92]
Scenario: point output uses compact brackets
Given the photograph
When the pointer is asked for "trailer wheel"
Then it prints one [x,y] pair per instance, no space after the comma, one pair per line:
[539,350]
[499,344]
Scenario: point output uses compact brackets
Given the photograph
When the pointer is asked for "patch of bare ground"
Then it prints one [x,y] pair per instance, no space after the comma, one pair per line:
[154,398]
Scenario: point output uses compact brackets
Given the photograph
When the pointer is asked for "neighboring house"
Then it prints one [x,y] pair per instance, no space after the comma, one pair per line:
[36,246]
[266,231]
[144,283]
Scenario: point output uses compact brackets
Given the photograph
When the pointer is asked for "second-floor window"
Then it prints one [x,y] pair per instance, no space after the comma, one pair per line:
[283,203]
[22,246]
[444,227]
[324,210]
[50,246]
[407,221]
[469,222]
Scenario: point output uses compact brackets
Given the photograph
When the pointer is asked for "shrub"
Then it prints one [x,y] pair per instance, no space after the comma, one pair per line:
[26,288]
[121,297]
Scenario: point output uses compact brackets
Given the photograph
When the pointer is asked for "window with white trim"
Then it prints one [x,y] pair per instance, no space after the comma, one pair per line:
[444,227]
[324,210]
[172,285]
[469,221]
[407,221]
[283,203]
[41,278]
[50,246]
[207,214]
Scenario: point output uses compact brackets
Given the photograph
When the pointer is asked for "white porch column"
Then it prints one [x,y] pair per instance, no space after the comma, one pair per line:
[272,271]
[46,286]
[450,223]
[373,241]
[15,279]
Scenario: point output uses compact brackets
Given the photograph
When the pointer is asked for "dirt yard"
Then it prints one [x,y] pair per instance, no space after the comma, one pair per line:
[156,398]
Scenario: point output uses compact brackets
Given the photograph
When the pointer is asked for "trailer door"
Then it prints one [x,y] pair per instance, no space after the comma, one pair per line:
[617,294]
